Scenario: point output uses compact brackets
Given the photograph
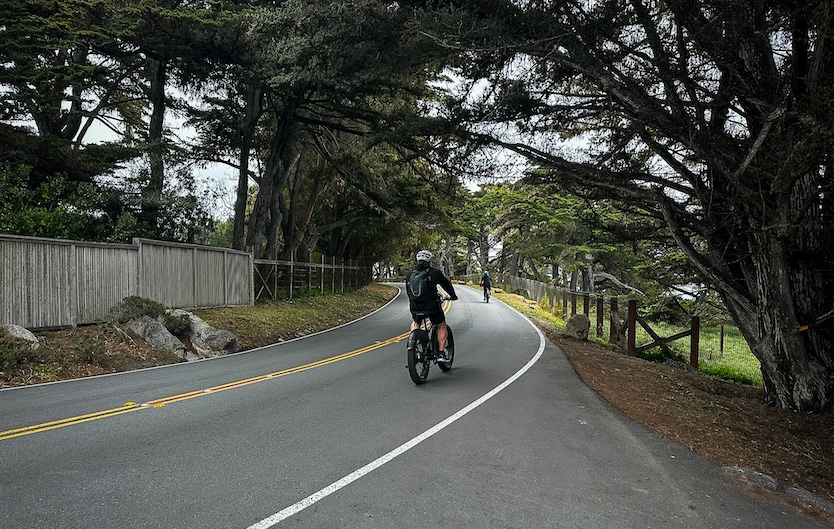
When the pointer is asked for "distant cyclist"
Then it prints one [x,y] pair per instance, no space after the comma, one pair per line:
[486,282]
[424,301]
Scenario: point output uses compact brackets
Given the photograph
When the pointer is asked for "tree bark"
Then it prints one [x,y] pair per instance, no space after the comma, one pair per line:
[152,193]
[250,121]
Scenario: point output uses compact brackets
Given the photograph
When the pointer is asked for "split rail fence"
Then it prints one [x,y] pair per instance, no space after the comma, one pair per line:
[604,314]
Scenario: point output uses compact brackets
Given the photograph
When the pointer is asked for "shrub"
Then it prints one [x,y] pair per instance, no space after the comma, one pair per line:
[13,353]
[134,306]
[177,324]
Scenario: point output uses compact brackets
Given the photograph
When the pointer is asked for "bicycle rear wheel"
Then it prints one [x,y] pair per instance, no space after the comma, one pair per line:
[450,350]
[418,361]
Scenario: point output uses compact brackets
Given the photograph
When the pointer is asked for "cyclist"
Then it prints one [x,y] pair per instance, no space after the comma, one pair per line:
[423,299]
[486,282]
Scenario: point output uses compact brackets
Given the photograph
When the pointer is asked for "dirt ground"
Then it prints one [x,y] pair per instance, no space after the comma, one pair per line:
[722,421]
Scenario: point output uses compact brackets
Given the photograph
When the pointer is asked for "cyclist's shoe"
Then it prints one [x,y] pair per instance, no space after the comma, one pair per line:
[442,356]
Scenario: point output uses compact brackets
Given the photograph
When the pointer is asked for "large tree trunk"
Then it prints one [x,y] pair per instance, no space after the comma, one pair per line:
[252,111]
[791,331]
[779,294]
[483,247]
[278,169]
[152,193]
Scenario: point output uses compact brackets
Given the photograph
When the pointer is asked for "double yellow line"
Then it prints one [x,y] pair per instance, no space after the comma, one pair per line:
[158,403]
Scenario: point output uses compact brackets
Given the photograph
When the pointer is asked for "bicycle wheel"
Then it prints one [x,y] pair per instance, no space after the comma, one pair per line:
[418,361]
[450,350]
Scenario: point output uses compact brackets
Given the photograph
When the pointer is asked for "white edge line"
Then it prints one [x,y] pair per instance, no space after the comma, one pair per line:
[373,465]
[399,291]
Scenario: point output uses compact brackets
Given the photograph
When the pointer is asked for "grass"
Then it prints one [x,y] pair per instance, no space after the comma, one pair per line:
[733,361]
[272,322]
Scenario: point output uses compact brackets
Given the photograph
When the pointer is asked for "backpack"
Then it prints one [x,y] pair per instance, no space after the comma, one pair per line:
[420,288]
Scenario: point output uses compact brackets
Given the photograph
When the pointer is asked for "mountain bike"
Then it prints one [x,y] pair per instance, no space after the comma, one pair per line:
[487,292]
[422,351]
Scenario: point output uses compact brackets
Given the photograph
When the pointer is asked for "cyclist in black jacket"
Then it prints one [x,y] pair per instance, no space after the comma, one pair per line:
[486,282]
[429,306]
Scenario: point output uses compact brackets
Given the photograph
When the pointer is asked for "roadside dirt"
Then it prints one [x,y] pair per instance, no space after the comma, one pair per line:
[722,421]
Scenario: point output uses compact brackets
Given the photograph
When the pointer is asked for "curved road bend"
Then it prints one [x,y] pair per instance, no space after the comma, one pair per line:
[251,441]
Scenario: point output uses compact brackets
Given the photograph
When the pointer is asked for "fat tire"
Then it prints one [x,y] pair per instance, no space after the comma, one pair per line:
[418,361]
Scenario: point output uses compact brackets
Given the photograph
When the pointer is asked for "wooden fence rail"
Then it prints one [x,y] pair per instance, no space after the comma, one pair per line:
[288,279]
[620,332]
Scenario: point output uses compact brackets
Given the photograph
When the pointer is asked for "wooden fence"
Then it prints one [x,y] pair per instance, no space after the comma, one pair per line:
[289,279]
[49,283]
[604,313]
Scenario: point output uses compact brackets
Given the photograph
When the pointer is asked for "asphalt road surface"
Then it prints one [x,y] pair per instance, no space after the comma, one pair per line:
[328,431]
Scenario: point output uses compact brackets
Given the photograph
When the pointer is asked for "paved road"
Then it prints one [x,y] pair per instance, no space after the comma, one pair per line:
[510,438]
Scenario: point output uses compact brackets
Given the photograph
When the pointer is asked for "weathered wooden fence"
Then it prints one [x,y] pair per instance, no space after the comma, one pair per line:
[49,283]
[289,279]
[604,313]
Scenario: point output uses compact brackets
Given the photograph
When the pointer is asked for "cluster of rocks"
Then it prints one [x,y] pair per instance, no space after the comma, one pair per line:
[206,341]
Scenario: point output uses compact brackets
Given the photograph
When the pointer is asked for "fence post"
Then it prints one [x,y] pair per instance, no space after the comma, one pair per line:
[564,303]
[322,273]
[342,264]
[721,341]
[586,302]
[572,303]
[632,328]
[292,271]
[194,277]
[613,322]
[72,275]
[694,338]
[333,274]
[600,309]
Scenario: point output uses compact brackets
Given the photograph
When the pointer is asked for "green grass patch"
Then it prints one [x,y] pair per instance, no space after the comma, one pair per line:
[274,321]
[727,359]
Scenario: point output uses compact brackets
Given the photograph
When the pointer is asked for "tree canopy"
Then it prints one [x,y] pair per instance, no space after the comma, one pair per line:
[712,116]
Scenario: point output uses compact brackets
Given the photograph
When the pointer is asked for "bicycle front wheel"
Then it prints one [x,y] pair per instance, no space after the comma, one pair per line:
[418,361]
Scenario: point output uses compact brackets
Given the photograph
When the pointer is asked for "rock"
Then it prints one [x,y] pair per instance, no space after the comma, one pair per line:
[21,333]
[578,326]
[156,334]
[207,340]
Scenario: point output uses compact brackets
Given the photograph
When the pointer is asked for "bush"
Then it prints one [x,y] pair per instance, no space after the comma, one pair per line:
[177,324]
[134,306]
[13,353]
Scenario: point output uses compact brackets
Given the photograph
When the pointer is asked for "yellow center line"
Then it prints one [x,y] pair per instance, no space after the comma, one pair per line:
[158,403]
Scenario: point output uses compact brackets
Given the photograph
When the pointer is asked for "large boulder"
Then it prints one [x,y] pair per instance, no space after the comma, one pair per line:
[578,326]
[207,340]
[156,334]
[21,333]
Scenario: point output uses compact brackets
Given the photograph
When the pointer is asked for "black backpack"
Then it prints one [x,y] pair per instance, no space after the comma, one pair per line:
[420,288]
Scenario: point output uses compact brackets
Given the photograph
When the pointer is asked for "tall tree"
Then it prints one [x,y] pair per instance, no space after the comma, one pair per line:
[715,116]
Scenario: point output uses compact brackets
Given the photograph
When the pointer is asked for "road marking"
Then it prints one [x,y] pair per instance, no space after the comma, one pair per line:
[159,403]
[310,500]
